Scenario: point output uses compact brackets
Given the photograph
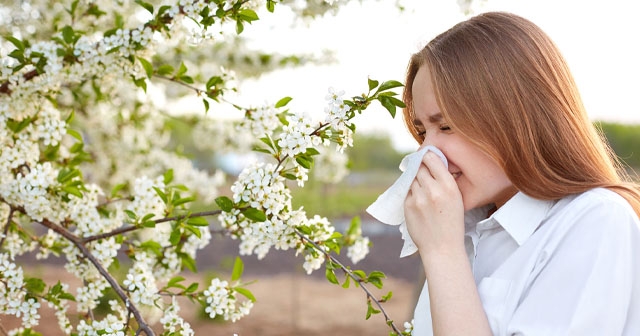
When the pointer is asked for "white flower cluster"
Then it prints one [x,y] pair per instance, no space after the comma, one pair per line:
[321,230]
[141,283]
[261,187]
[260,122]
[111,325]
[330,166]
[359,249]
[172,322]
[32,190]
[408,327]
[61,308]
[298,135]
[12,295]
[145,198]
[222,301]
[88,296]
[339,118]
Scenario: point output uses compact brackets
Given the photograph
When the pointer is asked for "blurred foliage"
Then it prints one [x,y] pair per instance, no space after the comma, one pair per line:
[624,139]
[373,152]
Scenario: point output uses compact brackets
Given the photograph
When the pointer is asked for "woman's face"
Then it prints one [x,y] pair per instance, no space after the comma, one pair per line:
[480,179]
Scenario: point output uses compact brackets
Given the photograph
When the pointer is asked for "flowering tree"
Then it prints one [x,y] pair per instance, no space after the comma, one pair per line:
[88,172]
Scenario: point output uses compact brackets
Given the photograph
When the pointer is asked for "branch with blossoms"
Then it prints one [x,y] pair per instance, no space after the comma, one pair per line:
[55,164]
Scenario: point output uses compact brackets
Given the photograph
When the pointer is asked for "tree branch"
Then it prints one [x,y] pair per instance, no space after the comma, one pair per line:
[126,229]
[7,224]
[350,274]
[78,242]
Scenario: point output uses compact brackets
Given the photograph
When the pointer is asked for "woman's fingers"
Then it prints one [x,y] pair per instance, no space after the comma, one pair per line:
[435,166]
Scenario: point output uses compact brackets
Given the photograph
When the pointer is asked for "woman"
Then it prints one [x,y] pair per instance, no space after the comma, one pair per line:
[532,229]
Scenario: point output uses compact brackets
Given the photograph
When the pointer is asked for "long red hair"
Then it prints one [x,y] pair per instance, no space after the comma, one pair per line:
[503,84]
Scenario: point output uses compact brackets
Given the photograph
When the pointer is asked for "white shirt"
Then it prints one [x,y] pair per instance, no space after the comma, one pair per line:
[570,267]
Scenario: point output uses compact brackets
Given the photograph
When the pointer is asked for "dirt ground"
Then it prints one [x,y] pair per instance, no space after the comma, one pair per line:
[289,302]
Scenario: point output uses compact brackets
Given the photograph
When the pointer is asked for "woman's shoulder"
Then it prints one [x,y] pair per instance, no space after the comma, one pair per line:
[597,206]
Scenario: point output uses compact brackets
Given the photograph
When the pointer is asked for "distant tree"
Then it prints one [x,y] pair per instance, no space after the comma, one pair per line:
[374,152]
[624,139]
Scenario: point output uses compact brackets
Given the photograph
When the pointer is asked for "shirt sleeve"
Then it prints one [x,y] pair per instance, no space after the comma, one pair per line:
[587,283]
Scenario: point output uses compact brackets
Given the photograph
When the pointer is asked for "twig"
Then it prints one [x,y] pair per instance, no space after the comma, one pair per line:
[350,274]
[6,226]
[78,242]
[158,221]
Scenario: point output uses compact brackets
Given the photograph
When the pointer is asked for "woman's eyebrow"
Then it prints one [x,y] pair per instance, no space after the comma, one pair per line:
[436,118]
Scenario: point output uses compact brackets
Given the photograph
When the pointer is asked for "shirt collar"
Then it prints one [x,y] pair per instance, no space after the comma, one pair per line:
[519,217]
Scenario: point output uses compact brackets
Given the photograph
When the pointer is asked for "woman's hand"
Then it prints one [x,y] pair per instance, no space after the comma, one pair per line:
[434,212]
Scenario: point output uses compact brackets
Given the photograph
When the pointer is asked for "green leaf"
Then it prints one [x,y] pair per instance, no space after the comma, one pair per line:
[283,102]
[187,79]
[347,282]
[164,69]
[175,282]
[360,274]
[181,70]
[246,293]
[34,285]
[206,105]
[197,221]
[255,214]
[183,200]
[271,6]
[68,34]
[168,176]
[354,227]
[239,27]
[70,117]
[148,67]
[238,268]
[73,191]
[386,297]
[304,161]
[175,237]
[225,203]
[312,151]
[141,83]
[213,81]
[116,189]
[389,85]
[161,193]
[194,230]
[371,310]
[188,262]
[19,45]
[331,276]
[372,84]
[146,5]
[16,127]
[131,214]
[388,104]
[248,15]
[192,288]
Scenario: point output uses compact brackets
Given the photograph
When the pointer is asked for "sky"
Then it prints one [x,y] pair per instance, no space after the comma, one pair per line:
[373,39]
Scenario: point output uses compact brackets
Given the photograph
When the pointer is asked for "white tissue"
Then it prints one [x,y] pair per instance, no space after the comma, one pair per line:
[389,207]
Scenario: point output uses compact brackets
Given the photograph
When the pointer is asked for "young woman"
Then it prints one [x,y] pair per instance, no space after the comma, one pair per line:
[533,228]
